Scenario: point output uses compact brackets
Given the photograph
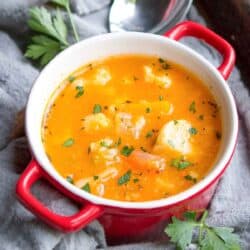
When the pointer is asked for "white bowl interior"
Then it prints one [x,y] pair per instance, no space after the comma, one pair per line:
[106,45]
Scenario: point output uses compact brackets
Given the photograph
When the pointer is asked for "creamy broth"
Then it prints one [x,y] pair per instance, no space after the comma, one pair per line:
[132,128]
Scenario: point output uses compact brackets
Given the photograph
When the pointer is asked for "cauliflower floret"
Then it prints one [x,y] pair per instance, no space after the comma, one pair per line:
[175,135]
[124,124]
[96,122]
[102,76]
[161,80]
[103,153]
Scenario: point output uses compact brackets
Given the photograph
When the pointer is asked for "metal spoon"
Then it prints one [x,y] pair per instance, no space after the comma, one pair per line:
[153,16]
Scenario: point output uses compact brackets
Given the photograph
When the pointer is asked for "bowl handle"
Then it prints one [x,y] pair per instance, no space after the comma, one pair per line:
[189,28]
[74,222]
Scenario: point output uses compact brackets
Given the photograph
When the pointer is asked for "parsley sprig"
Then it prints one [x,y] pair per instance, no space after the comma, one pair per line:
[208,238]
[52,32]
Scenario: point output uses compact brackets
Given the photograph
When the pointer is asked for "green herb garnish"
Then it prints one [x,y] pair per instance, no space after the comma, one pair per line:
[180,163]
[143,149]
[97,109]
[104,144]
[71,78]
[191,230]
[190,178]
[135,180]
[86,188]
[192,107]
[51,32]
[118,143]
[80,91]
[69,179]
[126,150]
[125,178]
[149,134]
[193,131]
[161,60]
[95,177]
[201,117]
[160,97]
[148,110]
[69,142]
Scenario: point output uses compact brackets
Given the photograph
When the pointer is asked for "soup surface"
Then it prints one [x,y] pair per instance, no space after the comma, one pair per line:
[132,128]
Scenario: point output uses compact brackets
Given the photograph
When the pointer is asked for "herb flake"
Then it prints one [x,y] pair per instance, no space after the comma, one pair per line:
[124,178]
[80,91]
[180,163]
[69,142]
[193,131]
[86,187]
[192,107]
[126,150]
[97,109]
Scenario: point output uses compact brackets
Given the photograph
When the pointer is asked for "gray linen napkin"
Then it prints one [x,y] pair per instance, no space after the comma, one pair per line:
[19,229]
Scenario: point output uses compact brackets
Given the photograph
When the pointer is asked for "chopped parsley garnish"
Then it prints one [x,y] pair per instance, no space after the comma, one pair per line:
[95,177]
[192,107]
[165,66]
[181,232]
[201,117]
[193,131]
[135,180]
[80,91]
[149,134]
[126,150]
[180,163]
[86,188]
[69,142]
[104,144]
[175,122]
[148,110]
[218,135]
[161,60]
[71,78]
[161,97]
[118,143]
[190,178]
[69,179]
[124,178]
[143,149]
[97,109]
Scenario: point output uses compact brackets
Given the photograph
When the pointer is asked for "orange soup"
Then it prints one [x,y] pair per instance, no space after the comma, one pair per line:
[132,128]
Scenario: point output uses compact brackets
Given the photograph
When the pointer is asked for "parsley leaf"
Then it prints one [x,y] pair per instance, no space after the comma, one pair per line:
[180,163]
[80,91]
[192,107]
[71,78]
[69,179]
[95,177]
[126,150]
[86,188]
[190,178]
[52,32]
[124,178]
[118,143]
[181,232]
[42,48]
[69,142]
[193,131]
[97,109]
[149,134]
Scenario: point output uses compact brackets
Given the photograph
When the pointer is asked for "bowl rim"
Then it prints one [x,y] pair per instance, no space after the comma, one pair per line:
[196,189]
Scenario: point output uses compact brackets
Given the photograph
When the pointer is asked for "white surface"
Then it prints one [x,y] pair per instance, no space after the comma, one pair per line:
[106,45]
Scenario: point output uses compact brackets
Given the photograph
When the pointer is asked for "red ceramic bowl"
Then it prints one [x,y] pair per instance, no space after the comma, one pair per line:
[128,219]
